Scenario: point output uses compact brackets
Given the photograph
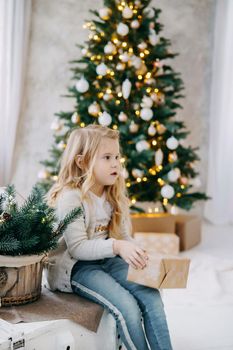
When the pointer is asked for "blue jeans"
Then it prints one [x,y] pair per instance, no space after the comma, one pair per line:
[105,282]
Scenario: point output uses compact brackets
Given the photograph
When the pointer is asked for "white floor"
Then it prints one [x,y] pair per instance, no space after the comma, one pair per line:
[201,316]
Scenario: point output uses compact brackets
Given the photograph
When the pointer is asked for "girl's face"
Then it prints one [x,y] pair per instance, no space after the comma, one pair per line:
[107,165]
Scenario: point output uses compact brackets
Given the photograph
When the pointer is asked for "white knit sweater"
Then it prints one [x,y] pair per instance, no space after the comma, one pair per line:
[79,241]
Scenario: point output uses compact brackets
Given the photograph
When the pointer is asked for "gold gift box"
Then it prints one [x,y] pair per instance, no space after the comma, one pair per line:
[162,271]
[164,243]
[188,228]
[160,222]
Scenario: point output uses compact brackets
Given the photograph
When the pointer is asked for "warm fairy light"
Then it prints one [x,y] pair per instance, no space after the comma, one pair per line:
[130,50]
[165,201]
[160,181]
[142,54]
[144,178]
[133,200]
[148,89]
[120,8]
[146,52]
[99,77]
[139,17]
[139,179]
[152,171]
[124,44]
[115,40]
[93,58]
[128,184]
[182,186]
[112,73]
[148,75]
[119,94]
[93,27]
[156,90]
[102,34]
[115,127]
[154,142]
[82,125]
[110,58]
[178,195]
[139,77]
[96,37]
[137,112]
[55,177]
[135,11]
[123,3]
[122,160]
[159,167]
[98,57]
[118,102]
[100,94]
[109,91]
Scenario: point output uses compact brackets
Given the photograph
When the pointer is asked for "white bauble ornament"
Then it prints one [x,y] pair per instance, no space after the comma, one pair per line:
[43,174]
[151,130]
[94,109]
[125,173]
[146,114]
[172,143]
[82,85]
[142,145]
[105,119]
[133,128]
[126,88]
[136,61]
[84,51]
[167,191]
[142,45]
[57,125]
[158,157]
[61,145]
[173,175]
[75,118]
[149,12]
[153,37]
[110,48]
[120,66]
[107,97]
[147,102]
[105,13]
[101,69]
[135,24]
[122,29]
[137,173]
[123,117]
[124,57]
[127,13]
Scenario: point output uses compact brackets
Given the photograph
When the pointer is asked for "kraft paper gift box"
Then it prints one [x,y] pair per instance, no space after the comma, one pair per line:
[160,222]
[188,228]
[162,271]
[164,243]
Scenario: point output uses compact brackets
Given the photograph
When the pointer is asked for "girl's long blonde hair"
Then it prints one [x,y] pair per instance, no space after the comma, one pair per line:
[85,141]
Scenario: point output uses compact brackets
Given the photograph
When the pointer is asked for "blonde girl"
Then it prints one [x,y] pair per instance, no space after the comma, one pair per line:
[97,248]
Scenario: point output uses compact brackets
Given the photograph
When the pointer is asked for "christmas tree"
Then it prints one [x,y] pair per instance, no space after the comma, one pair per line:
[124,81]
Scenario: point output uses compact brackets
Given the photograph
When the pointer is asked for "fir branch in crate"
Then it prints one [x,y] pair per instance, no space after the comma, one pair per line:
[31,228]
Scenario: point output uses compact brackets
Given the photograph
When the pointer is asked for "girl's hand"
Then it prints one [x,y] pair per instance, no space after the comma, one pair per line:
[131,253]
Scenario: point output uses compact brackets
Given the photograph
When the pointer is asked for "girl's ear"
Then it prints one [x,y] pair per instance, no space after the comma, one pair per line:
[79,160]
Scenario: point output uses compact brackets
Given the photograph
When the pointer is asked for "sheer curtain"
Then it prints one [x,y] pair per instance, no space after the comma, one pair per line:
[220,169]
[14,34]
